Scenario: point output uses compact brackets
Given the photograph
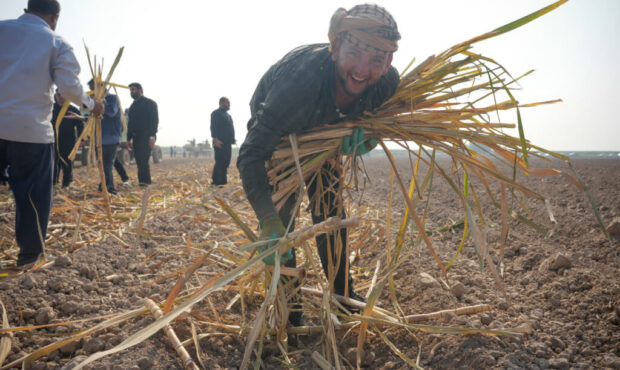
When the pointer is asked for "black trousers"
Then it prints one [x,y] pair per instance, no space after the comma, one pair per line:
[331,247]
[30,169]
[108,152]
[62,162]
[118,165]
[222,161]
[142,154]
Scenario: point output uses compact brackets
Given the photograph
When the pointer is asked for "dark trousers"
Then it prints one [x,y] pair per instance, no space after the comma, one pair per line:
[30,167]
[108,152]
[142,153]
[326,244]
[62,162]
[118,165]
[222,161]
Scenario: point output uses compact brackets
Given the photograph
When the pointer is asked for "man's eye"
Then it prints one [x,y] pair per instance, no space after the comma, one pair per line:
[377,61]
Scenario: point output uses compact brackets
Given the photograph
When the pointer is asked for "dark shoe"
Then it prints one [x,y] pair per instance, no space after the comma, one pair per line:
[28,262]
[296,319]
[353,295]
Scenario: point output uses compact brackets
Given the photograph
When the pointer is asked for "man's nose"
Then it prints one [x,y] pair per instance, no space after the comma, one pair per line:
[362,67]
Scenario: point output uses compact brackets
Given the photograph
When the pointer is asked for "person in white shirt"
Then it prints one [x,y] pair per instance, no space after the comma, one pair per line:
[32,59]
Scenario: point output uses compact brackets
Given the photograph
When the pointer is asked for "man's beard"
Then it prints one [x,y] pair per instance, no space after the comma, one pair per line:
[343,83]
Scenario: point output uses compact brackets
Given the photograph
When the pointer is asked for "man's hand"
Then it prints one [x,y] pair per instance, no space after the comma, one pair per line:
[272,228]
[217,142]
[152,142]
[98,109]
[73,115]
[356,143]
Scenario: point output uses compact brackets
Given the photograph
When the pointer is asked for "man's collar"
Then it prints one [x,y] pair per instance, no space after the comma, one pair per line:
[34,19]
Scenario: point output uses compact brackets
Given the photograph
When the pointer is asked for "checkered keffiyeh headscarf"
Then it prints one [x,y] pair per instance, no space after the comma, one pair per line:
[368,25]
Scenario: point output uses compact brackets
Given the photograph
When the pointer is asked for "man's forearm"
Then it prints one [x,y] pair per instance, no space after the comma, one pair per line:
[256,185]
[258,147]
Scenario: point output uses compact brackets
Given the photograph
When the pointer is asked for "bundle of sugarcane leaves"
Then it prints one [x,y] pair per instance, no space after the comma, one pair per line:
[446,104]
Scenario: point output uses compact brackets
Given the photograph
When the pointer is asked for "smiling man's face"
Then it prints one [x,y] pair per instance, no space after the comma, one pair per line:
[358,68]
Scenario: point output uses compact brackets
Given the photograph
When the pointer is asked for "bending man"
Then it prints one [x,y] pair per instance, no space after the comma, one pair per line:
[310,86]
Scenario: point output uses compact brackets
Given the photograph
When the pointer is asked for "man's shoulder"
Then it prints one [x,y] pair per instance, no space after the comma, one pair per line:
[392,77]
[302,70]
[306,55]
[26,20]
[320,48]
[149,100]
[7,22]
[218,113]
[29,26]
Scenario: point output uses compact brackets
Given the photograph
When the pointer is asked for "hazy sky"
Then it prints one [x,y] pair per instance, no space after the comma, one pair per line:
[187,54]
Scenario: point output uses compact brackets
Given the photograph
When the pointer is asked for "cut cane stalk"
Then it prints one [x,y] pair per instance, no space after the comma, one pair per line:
[186,359]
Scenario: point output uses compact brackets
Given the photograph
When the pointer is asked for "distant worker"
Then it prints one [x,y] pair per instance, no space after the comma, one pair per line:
[142,131]
[118,164]
[33,57]
[223,134]
[69,130]
[111,130]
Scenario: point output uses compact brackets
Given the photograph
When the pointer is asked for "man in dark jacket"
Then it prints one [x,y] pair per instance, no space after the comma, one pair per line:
[223,134]
[314,85]
[142,130]
[69,130]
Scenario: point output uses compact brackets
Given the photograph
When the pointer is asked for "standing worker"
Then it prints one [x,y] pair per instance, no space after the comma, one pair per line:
[118,164]
[33,57]
[111,130]
[142,130]
[70,129]
[314,85]
[223,134]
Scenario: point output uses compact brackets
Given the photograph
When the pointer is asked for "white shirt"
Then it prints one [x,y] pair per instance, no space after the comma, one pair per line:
[32,58]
